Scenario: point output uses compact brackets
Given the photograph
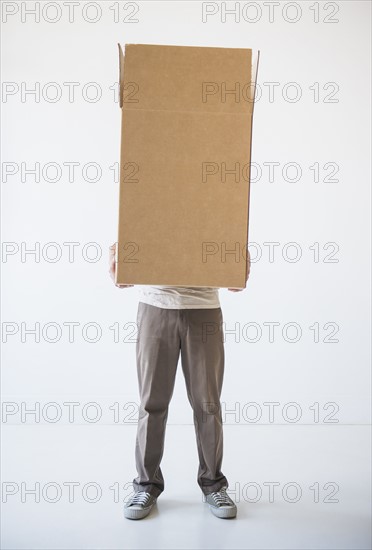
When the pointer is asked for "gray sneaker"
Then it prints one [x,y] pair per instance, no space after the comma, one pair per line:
[220,504]
[139,506]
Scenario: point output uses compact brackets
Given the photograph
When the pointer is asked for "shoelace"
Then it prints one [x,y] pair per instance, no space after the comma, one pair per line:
[221,497]
[141,497]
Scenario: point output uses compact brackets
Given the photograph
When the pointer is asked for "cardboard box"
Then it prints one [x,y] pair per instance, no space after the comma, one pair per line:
[186,138]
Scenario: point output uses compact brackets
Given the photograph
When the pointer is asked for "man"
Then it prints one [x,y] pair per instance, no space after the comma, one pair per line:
[174,320]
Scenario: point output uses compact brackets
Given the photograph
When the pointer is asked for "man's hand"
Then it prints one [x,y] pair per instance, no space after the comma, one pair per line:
[112,266]
[248,271]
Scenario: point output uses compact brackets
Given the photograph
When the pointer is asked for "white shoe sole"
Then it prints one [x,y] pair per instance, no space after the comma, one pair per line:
[137,513]
[223,512]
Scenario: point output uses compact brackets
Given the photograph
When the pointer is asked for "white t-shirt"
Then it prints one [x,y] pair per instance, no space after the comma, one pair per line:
[178,297]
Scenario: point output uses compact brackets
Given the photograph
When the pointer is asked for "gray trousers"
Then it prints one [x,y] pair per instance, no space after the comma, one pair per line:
[162,335]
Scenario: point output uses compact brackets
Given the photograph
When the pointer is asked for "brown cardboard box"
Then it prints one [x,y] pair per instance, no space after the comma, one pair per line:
[185,165]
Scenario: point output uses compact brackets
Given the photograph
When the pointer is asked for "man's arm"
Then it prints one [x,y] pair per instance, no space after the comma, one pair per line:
[248,272]
[112,265]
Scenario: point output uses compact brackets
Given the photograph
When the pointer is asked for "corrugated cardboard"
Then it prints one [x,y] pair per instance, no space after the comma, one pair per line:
[185,164]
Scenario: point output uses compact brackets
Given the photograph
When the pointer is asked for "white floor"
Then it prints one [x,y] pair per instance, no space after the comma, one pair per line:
[254,456]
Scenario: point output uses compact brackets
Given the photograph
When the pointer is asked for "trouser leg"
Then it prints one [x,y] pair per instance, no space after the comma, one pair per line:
[203,358]
[157,353]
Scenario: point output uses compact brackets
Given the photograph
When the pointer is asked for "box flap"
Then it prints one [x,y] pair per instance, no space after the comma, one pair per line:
[121,76]
[189,78]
